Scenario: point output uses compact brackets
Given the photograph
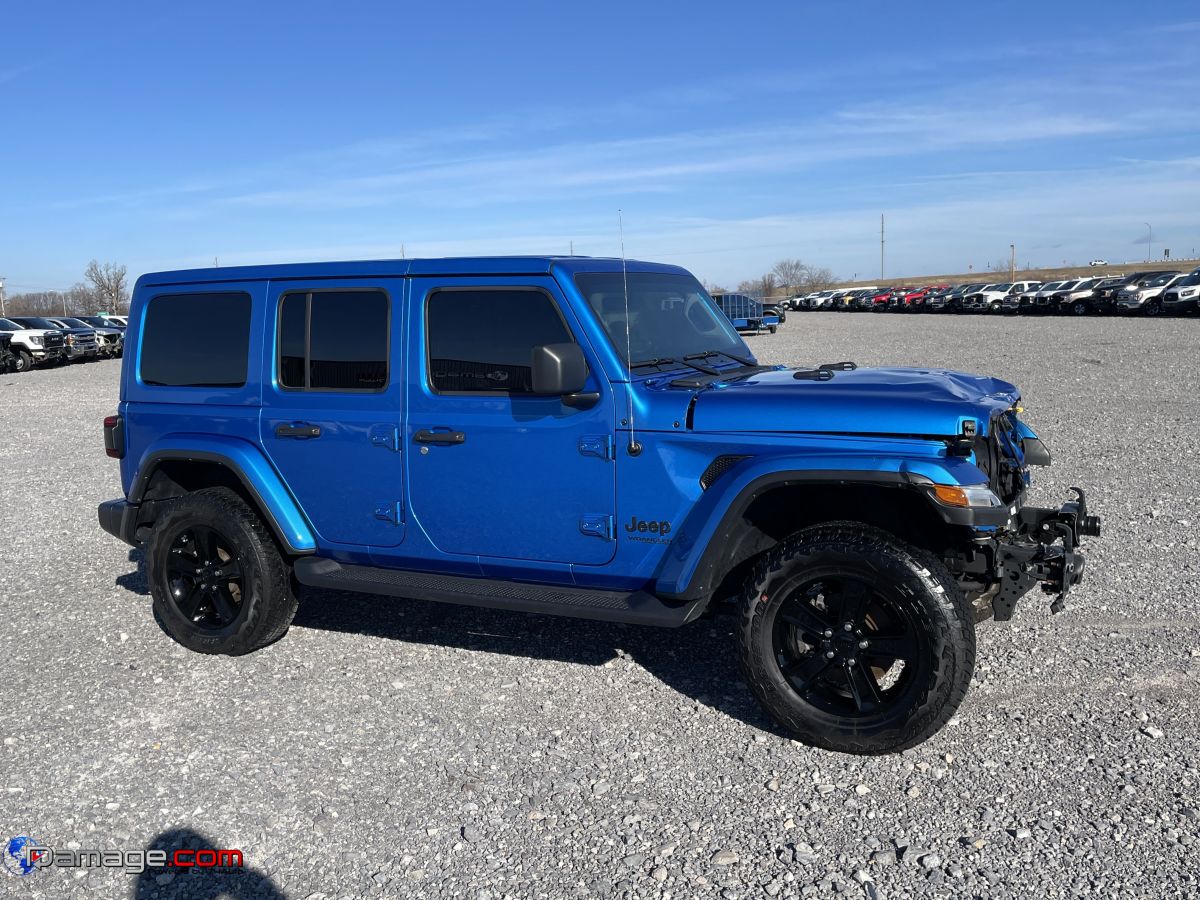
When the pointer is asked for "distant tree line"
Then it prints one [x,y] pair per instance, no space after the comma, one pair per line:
[787,278]
[105,288]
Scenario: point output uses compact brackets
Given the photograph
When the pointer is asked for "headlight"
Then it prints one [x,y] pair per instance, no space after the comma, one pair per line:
[36,340]
[974,495]
[1187,292]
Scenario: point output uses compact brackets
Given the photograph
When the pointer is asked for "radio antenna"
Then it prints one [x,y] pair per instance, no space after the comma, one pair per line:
[634,447]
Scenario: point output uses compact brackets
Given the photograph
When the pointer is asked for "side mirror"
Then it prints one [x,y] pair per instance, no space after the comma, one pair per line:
[558,370]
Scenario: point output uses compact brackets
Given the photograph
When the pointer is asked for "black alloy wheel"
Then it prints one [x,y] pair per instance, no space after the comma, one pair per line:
[855,641]
[218,579]
[845,648]
[204,578]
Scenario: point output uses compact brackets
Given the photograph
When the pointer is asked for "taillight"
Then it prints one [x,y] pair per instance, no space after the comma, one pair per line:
[114,436]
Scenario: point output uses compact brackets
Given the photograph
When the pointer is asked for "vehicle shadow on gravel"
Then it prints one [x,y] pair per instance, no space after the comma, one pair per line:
[135,582]
[697,660]
[191,881]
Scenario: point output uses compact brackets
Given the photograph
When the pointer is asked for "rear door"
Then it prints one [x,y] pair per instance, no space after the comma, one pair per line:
[494,470]
[331,407]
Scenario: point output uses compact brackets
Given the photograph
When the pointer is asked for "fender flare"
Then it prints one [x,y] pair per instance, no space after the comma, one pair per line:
[249,466]
[693,565]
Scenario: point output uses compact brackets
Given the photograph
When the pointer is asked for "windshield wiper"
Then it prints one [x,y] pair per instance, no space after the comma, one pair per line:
[710,353]
[686,361]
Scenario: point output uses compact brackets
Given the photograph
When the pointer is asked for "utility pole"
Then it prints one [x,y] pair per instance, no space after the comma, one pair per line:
[572,248]
[881,247]
[402,251]
[1012,262]
[1149,239]
[63,297]
[2,312]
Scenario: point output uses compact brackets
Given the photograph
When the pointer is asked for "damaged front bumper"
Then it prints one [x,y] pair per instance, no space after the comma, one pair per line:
[1042,549]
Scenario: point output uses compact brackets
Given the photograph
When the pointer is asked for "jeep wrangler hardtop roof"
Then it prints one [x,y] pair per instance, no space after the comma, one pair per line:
[398,268]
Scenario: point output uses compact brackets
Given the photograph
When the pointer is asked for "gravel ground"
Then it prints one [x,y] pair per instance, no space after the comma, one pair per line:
[388,748]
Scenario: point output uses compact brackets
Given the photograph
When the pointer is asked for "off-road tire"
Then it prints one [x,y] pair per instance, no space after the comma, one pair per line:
[268,601]
[24,361]
[909,576]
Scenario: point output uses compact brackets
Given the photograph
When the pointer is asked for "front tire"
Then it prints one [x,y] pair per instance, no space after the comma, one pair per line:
[855,641]
[217,578]
[24,361]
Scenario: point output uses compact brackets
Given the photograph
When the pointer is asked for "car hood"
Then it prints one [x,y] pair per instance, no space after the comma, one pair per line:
[884,400]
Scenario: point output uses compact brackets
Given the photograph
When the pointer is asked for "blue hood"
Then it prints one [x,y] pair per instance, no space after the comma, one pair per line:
[886,400]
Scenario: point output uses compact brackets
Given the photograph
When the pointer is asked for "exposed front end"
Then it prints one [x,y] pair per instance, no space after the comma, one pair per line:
[1018,547]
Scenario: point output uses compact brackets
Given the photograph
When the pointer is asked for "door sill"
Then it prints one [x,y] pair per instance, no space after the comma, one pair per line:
[631,607]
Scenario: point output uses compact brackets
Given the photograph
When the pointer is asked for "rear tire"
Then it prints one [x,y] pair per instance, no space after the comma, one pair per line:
[841,688]
[217,578]
[1079,308]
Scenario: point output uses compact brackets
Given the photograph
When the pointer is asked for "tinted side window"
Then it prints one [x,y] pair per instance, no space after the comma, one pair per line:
[334,340]
[482,341]
[196,340]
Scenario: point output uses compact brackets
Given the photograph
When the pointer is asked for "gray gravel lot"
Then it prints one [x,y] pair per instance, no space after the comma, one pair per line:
[389,748]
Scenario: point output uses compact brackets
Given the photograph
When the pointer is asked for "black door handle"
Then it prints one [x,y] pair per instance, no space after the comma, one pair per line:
[439,437]
[298,430]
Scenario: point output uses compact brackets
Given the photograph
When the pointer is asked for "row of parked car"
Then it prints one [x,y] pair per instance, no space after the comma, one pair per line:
[28,341]
[1149,293]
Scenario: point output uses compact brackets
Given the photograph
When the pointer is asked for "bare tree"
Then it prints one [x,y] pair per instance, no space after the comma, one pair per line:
[110,285]
[81,299]
[759,287]
[817,278]
[790,272]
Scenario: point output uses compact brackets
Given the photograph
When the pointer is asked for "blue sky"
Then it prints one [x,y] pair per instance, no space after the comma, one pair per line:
[730,134]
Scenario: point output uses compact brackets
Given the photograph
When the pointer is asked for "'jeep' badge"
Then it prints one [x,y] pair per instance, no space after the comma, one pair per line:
[648,531]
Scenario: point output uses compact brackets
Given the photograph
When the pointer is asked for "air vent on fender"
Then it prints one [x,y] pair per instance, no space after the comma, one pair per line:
[717,468]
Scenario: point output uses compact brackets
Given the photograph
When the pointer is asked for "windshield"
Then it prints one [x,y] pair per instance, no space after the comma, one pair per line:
[92,321]
[39,322]
[1161,280]
[9,325]
[668,315]
[72,322]
[1194,278]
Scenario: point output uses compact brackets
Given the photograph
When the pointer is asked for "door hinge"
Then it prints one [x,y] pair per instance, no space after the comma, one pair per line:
[386,436]
[601,445]
[390,512]
[598,526]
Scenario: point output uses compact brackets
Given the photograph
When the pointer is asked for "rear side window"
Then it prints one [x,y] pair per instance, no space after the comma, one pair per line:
[481,341]
[196,340]
[334,340]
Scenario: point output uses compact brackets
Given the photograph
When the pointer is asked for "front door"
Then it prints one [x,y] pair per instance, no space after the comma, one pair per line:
[331,409]
[494,470]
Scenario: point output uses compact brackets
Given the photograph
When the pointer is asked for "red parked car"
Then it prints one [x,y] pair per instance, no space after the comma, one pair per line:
[915,300]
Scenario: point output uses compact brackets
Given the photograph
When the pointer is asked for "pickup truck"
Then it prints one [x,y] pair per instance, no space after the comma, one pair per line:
[33,345]
[578,437]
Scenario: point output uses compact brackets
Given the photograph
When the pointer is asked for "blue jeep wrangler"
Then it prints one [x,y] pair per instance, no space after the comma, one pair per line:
[583,437]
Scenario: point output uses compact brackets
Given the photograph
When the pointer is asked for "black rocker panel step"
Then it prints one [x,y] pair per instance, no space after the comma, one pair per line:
[637,607]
